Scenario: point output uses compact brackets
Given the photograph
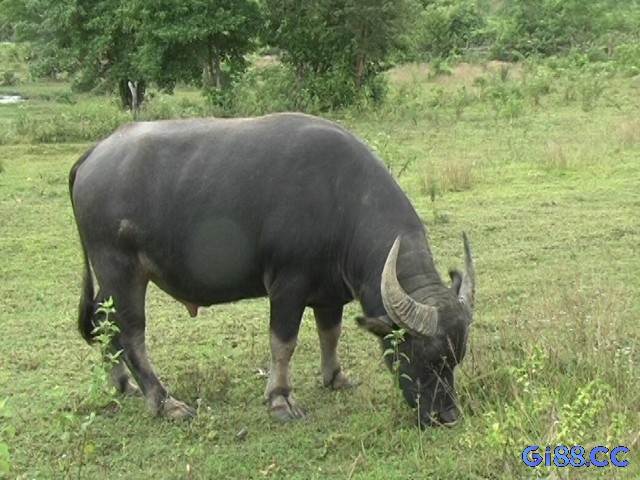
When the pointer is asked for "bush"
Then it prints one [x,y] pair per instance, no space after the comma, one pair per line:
[627,58]
[451,27]
[523,28]
[264,89]
[275,88]
[9,79]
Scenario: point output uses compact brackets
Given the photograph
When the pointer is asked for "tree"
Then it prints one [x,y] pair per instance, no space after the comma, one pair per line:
[348,40]
[87,38]
[181,40]
[450,26]
[549,27]
[126,45]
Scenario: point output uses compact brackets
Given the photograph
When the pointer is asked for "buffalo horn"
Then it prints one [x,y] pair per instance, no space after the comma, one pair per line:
[468,288]
[413,316]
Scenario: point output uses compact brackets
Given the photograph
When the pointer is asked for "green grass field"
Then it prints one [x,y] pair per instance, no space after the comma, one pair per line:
[541,165]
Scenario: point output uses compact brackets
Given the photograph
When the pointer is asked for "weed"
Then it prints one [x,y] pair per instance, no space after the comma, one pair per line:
[431,187]
[628,132]
[66,97]
[9,79]
[505,98]
[504,71]
[101,392]
[388,151]
[591,90]
[461,101]
[557,156]
[577,417]
[440,66]
[74,439]
[538,86]
[396,337]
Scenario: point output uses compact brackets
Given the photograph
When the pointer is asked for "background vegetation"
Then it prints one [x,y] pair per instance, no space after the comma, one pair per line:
[519,125]
[333,52]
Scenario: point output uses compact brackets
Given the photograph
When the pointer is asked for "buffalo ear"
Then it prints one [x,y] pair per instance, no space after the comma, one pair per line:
[379,326]
[456,280]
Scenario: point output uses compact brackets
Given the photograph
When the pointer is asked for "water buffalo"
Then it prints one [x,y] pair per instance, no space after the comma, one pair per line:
[288,206]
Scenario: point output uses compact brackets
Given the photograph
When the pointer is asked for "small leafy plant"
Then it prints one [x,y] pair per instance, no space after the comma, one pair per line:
[396,337]
[104,334]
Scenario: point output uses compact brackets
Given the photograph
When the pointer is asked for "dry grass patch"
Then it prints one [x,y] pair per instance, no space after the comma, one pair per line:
[628,132]
[410,73]
[556,155]
[566,153]
[463,73]
[450,176]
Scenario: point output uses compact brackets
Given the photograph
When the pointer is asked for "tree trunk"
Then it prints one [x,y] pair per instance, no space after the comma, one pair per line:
[209,67]
[135,107]
[359,70]
[217,70]
[126,96]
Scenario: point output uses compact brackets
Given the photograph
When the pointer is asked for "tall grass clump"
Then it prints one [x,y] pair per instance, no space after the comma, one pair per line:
[556,155]
[628,133]
[529,386]
[455,175]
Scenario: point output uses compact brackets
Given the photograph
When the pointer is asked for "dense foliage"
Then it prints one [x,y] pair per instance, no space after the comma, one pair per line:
[332,52]
[337,48]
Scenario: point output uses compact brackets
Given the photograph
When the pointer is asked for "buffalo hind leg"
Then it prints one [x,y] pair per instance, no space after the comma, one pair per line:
[119,378]
[119,375]
[118,279]
[285,318]
[329,326]
[157,396]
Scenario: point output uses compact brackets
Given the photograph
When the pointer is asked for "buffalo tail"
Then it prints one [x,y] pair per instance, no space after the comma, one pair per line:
[87,306]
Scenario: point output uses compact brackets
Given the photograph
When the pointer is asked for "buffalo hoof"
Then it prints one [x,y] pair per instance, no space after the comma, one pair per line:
[176,410]
[284,409]
[341,382]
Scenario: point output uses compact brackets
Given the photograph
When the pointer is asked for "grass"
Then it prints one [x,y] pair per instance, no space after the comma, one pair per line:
[549,195]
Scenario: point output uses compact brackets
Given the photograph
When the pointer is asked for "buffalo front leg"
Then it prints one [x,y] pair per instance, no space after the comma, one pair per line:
[329,326]
[284,325]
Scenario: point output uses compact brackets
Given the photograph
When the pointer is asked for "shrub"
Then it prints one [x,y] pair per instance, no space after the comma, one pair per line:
[9,79]
[450,27]
[627,58]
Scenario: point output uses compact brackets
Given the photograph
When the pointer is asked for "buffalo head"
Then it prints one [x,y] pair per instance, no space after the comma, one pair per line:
[434,342]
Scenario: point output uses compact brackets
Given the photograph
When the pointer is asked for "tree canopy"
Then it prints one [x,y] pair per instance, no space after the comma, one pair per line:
[332,51]
[110,43]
